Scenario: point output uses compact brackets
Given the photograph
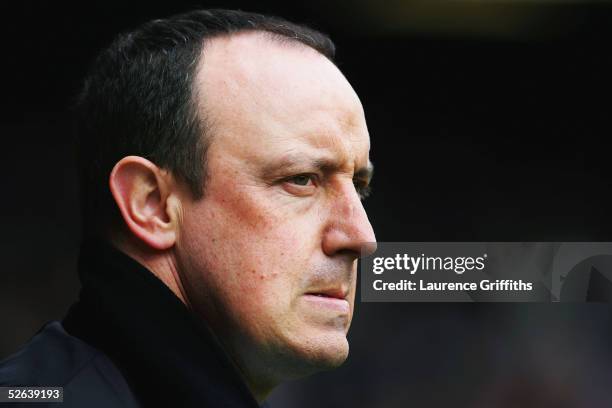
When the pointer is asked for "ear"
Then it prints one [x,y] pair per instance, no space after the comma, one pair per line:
[143,193]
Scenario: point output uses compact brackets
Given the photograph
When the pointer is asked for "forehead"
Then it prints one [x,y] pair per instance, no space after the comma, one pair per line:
[279,95]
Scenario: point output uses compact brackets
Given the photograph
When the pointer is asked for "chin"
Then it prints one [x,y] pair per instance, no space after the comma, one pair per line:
[320,353]
[334,359]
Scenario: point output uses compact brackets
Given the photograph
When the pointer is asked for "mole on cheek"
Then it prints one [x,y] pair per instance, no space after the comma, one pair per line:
[268,276]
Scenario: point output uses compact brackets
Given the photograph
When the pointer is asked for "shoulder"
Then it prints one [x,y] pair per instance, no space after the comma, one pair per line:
[55,358]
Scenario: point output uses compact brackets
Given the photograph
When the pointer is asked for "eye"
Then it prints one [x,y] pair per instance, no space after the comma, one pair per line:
[301,185]
[302,179]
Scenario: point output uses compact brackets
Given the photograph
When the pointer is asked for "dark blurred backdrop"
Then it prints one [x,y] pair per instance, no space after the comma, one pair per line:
[489,122]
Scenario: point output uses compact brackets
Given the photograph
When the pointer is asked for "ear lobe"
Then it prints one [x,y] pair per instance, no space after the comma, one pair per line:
[141,191]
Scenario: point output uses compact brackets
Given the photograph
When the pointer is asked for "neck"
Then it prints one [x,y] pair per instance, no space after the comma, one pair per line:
[162,264]
[127,313]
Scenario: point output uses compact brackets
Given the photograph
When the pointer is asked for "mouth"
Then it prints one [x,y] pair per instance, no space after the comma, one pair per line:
[330,298]
[329,293]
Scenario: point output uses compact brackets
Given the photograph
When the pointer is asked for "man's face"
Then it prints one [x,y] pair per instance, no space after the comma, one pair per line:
[269,255]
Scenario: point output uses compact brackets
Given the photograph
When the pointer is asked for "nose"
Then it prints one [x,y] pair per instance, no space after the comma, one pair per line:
[348,230]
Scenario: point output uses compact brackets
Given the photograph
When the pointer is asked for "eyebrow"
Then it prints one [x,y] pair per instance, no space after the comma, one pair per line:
[324,164]
[365,173]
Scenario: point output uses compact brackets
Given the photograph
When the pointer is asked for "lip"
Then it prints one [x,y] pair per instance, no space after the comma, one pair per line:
[334,293]
[339,304]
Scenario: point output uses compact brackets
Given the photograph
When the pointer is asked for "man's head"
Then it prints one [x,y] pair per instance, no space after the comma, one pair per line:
[265,251]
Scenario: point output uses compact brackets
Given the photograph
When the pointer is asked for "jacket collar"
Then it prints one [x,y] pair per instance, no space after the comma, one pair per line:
[168,355]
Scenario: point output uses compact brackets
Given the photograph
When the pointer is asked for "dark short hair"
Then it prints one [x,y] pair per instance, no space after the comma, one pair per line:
[137,99]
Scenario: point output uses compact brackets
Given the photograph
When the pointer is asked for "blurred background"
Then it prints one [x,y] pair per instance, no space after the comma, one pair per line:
[489,122]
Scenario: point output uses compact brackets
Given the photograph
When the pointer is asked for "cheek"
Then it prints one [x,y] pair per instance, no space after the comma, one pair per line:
[267,269]
[251,259]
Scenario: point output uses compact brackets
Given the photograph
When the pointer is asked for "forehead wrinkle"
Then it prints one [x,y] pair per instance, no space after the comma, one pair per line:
[318,159]
[347,148]
[328,158]
[322,130]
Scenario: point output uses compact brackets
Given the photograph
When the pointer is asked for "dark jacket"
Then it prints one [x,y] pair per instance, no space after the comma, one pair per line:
[128,342]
